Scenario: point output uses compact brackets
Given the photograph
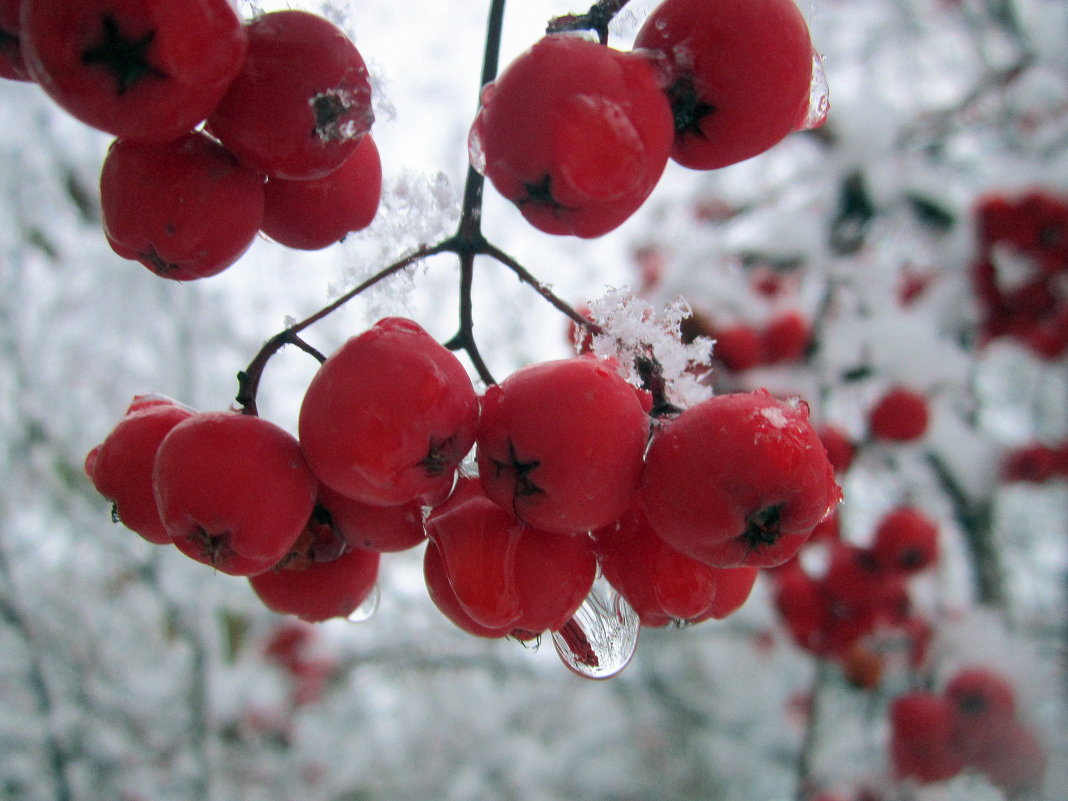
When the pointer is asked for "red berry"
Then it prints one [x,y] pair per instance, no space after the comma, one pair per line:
[738,348]
[899,416]
[121,466]
[785,338]
[233,491]
[374,528]
[660,583]
[1036,463]
[503,573]
[921,738]
[185,209]
[302,101]
[738,480]
[144,71]
[983,705]
[560,444]
[804,606]
[839,445]
[444,597]
[318,591]
[310,215]
[388,417]
[574,133]
[906,540]
[738,75]
[860,587]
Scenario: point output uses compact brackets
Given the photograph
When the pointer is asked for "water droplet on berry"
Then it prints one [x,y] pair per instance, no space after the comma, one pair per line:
[366,610]
[600,639]
[819,102]
[475,153]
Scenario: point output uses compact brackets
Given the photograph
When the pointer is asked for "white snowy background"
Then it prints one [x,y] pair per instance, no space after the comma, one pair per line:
[128,672]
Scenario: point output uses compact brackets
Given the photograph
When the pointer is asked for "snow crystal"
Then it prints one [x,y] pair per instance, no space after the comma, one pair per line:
[633,328]
[775,416]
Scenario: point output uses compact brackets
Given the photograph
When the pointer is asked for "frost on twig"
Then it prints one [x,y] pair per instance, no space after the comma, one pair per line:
[416,209]
[634,329]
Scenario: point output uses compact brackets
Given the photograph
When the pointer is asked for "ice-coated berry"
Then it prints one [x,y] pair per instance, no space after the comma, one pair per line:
[574,133]
[737,74]
[388,417]
[185,209]
[302,101]
[233,491]
[560,444]
[739,479]
[121,466]
[148,71]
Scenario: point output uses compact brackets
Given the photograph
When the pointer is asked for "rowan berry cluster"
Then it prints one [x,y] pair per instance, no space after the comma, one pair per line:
[577,134]
[850,603]
[1019,274]
[573,470]
[263,126]
[259,126]
[972,724]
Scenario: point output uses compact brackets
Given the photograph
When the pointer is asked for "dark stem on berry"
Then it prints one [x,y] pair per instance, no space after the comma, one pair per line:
[125,56]
[596,19]
[688,108]
[157,263]
[762,527]
[651,373]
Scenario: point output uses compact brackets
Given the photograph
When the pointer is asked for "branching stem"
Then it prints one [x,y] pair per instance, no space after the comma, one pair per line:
[467,243]
[596,19]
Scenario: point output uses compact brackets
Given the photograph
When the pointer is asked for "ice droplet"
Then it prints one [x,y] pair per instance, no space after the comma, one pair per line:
[819,102]
[600,639]
[366,610]
[475,154]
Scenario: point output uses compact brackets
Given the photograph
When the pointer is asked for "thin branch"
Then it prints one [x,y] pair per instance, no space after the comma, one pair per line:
[596,19]
[528,278]
[249,379]
[974,519]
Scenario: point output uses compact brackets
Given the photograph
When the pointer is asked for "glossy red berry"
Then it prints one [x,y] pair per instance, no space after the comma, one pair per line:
[310,215]
[302,101]
[144,71]
[662,585]
[738,75]
[444,597]
[906,540]
[560,444]
[121,466]
[737,480]
[318,591]
[388,417]
[921,738]
[233,491]
[574,133]
[185,209]
[900,415]
[375,528]
[505,574]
